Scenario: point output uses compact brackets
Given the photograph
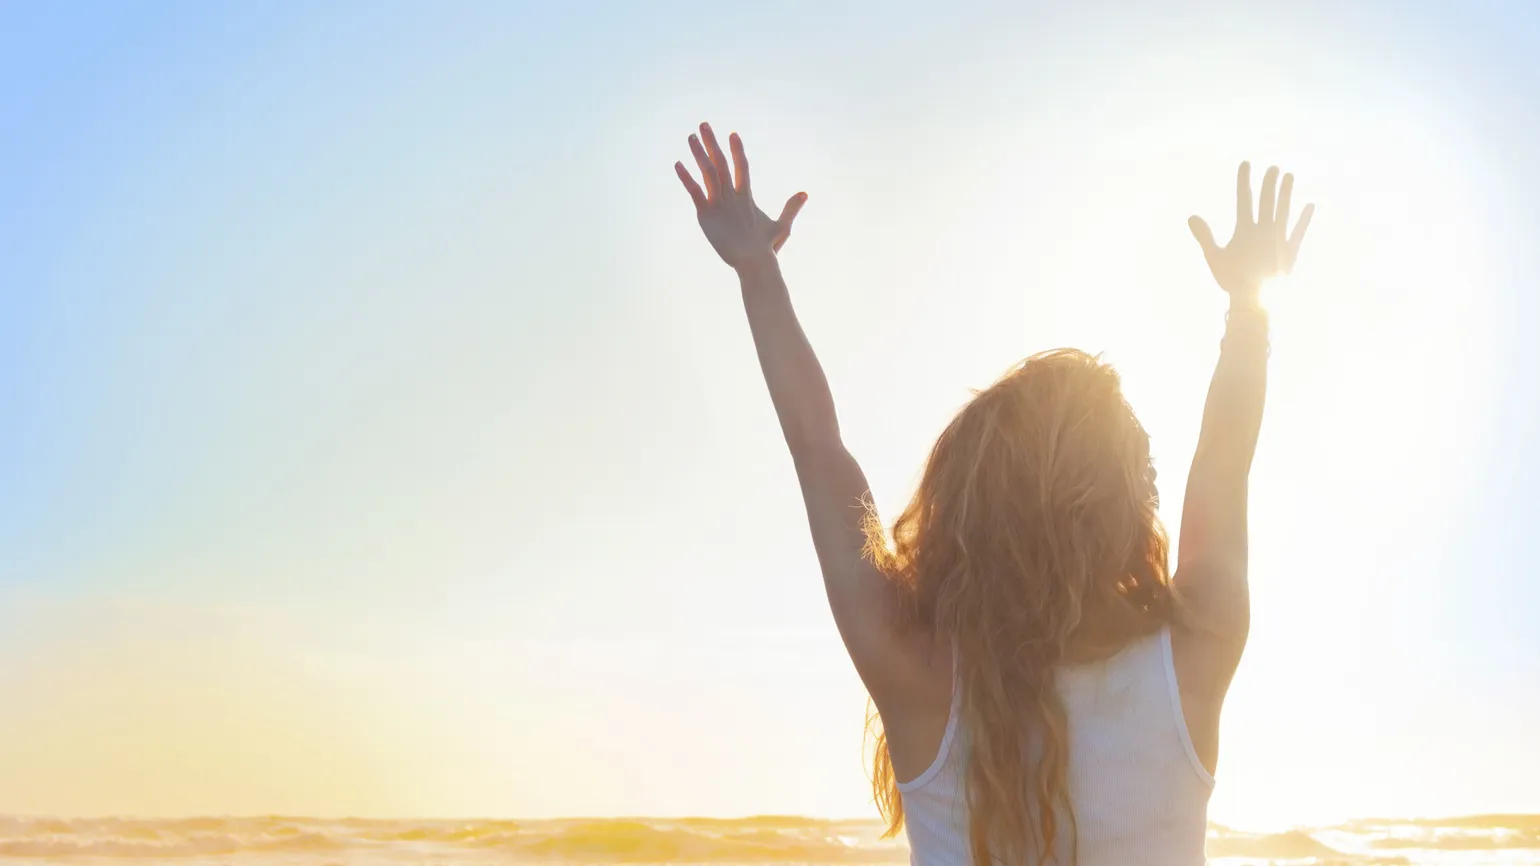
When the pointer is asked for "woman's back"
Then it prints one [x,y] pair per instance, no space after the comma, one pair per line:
[1139,792]
[1033,538]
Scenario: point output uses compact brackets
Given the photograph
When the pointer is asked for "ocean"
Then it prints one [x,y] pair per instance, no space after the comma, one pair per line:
[1500,840]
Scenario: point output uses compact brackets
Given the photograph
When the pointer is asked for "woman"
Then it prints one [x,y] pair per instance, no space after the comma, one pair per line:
[1046,693]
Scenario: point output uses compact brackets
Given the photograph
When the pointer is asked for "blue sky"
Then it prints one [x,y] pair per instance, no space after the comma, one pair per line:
[364,379]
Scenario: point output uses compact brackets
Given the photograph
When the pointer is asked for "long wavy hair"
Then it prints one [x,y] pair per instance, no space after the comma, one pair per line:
[1032,541]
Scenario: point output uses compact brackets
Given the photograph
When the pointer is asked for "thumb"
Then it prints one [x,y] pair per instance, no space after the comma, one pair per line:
[788,214]
[1205,236]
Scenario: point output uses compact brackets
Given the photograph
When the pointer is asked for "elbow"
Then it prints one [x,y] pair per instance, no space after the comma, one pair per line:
[812,439]
[1225,625]
[1232,621]
[1220,460]
[816,453]
[1214,597]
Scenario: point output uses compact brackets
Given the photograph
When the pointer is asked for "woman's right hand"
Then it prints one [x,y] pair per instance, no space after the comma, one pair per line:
[741,233]
[1260,248]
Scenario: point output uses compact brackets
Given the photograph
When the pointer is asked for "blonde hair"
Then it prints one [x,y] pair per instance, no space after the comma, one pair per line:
[1032,540]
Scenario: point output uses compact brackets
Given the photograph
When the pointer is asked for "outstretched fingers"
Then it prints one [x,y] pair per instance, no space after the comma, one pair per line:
[708,172]
[697,195]
[724,174]
[1299,232]
[740,164]
[1244,215]
[1265,208]
[1285,196]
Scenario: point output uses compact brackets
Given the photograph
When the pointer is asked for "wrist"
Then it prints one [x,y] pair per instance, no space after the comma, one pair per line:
[1246,307]
[758,266]
[1246,327]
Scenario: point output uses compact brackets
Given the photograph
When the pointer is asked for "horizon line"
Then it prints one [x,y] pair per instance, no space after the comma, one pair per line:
[1483,817]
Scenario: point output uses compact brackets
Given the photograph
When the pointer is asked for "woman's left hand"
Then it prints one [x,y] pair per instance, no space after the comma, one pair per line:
[1261,246]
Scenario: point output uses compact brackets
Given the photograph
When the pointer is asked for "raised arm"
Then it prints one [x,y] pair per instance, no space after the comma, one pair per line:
[834,489]
[1213,547]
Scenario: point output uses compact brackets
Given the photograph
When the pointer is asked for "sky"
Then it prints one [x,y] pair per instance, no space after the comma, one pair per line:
[380,438]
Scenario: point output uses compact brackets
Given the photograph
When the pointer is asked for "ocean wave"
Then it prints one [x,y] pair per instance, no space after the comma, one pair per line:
[1516,823]
[754,840]
[159,844]
[59,848]
[638,842]
[1445,840]
[761,840]
[1294,845]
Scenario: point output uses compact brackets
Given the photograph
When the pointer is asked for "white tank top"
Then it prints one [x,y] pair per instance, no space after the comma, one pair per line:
[1139,792]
